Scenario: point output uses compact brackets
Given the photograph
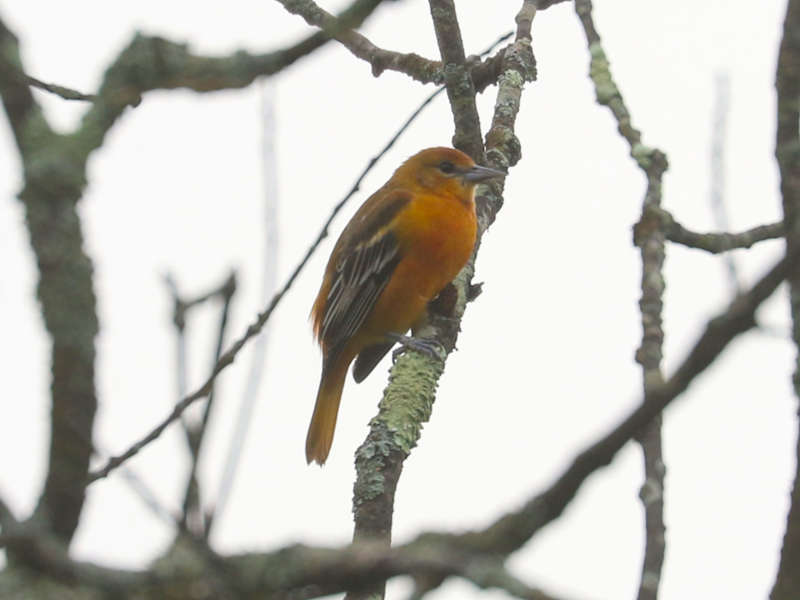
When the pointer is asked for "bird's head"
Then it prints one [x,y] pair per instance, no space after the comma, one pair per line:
[445,170]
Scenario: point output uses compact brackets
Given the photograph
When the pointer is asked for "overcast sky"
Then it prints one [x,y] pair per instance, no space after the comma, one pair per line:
[545,362]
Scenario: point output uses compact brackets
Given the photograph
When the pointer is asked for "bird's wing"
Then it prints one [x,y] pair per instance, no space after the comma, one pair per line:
[363,266]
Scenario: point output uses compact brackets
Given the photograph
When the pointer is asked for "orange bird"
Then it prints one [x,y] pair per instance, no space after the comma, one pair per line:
[400,249]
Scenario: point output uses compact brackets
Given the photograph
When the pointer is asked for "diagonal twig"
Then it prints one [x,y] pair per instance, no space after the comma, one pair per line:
[510,532]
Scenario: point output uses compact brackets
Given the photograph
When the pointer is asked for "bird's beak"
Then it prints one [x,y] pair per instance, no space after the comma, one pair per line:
[479,173]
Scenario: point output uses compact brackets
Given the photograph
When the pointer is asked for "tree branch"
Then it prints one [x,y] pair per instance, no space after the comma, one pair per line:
[65,291]
[294,571]
[408,399]
[650,238]
[59,90]
[413,65]
[457,79]
[715,242]
[787,151]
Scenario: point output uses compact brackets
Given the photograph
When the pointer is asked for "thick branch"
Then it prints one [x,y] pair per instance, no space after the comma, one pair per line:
[150,63]
[295,571]
[457,79]
[353,16]
[54,182]
[787,151]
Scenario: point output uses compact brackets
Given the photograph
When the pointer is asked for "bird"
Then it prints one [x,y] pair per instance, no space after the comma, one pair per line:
[401,248]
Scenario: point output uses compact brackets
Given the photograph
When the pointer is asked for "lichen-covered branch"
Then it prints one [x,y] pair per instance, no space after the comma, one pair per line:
[457,79]
[649,237]
[787,151]
[503,148]
[408,399]
[54,182]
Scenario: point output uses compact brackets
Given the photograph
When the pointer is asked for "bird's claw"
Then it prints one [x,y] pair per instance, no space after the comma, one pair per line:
[426,346]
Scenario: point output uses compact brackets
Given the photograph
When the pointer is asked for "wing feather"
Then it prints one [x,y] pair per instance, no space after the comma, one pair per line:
[362,265]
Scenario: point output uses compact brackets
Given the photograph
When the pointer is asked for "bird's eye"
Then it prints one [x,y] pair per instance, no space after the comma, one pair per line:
[447,167]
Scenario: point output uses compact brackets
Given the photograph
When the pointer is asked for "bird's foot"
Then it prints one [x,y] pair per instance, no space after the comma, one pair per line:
[426,346]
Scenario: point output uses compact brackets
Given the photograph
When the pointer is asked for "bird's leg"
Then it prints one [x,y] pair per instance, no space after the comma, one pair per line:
[423,345]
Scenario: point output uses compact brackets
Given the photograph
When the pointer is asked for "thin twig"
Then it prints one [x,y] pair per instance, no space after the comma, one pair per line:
[193,515]
[722,90]
[59,90]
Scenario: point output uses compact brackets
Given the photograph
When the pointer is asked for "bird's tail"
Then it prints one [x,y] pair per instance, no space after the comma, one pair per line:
[323,421]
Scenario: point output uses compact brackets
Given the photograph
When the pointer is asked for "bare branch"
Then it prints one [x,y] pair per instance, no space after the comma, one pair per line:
[716,242]
[294,571]
[787,151]
[413,65]
[353,16]
[460,89]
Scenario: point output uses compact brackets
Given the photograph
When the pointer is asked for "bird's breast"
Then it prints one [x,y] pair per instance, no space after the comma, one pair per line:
[438,234]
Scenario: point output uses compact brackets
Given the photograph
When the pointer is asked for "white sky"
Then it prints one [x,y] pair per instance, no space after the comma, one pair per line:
[546,354]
